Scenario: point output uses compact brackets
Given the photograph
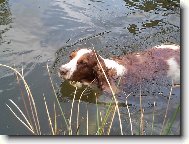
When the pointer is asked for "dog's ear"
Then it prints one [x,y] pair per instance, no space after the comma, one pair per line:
[97,70]
[102,81]
[92,61]
[73,54]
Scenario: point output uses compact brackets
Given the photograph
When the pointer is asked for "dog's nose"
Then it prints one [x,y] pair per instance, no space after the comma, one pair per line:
[63,71]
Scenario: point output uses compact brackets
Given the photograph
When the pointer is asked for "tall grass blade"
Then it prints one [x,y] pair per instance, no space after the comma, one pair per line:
[142,115]
[28,127]
[166,110]
[114,110]
[113,93]
[79,105]
[70,119]
[126,102]
[111,122]
[105,118]
[171,122]
[22,96]
[63,115]
[34,112]
[87,120]
[97,116]
[153,115]
[21,113]
[55,120]
[49,118]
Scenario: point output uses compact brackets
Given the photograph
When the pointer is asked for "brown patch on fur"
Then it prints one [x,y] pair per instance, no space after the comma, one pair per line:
[84,71]
[72,55]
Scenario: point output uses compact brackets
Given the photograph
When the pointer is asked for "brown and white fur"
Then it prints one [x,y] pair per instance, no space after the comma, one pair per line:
[85,66]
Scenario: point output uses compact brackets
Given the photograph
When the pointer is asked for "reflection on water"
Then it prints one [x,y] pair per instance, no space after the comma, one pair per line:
[84,93]
[34,32]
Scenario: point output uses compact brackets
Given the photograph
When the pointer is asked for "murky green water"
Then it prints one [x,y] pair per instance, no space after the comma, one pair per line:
[36,32]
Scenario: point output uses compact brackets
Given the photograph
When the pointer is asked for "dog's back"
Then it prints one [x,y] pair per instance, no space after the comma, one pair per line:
[153,63]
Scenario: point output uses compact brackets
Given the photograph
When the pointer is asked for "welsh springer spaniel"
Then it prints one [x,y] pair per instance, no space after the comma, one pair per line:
[86,66]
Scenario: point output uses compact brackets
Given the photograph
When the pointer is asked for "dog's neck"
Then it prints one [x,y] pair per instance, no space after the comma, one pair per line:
[113,65]
[112,70]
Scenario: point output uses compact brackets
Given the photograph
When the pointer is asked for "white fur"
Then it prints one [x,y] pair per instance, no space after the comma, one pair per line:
[111,64]
[173,47]
[72,65]
[174,69]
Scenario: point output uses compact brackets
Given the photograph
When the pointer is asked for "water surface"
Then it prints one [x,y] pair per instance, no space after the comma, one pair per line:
[36,32]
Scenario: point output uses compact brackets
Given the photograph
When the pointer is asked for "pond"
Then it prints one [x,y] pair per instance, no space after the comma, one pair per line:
[36,34]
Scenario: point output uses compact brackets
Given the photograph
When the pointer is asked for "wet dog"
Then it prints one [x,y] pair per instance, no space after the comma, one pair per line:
[88,67]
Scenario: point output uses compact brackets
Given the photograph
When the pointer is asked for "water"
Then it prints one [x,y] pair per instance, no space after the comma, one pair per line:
[36,32]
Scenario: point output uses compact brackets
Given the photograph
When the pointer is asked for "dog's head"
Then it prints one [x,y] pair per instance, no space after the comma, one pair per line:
[80,67]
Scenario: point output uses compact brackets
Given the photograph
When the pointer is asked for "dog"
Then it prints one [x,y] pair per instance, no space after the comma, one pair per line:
[89,68]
